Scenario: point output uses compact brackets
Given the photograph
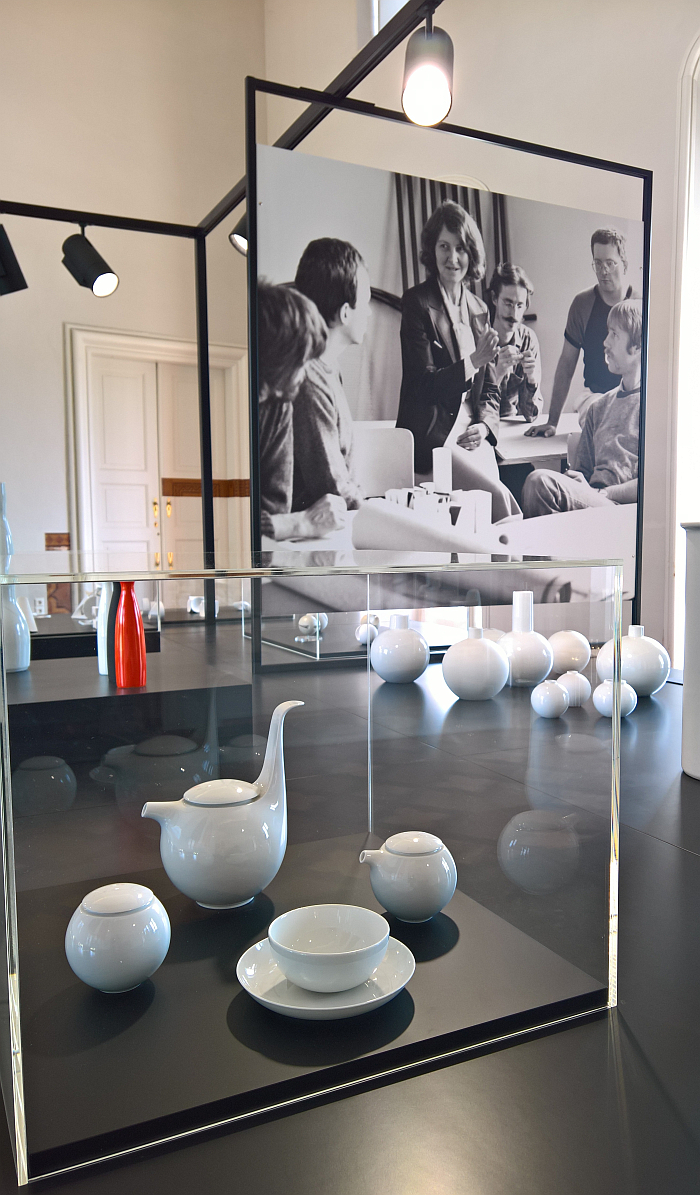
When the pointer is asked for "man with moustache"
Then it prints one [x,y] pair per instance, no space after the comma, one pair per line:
[516,371]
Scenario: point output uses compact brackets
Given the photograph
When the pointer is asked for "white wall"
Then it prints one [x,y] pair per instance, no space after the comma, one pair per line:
[588,76]
[131,108]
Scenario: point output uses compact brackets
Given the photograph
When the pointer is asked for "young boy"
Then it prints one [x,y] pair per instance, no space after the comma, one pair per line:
[333,275]
[608,452]
[290,334]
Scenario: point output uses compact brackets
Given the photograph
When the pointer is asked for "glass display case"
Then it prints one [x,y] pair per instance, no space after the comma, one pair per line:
[476,774]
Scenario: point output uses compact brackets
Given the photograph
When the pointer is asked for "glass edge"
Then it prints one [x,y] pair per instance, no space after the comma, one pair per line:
[86,577]
[17,1110]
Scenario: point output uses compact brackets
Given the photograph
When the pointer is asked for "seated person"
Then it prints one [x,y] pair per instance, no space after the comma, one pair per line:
[333,275]
[516,371]
[290,334]
[608,453]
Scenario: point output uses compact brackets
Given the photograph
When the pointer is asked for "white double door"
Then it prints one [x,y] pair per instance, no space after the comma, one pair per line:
[144,449]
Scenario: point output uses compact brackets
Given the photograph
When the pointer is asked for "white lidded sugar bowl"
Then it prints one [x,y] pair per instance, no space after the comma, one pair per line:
[224,841]
[43,784]
[400,655]
[413,875]
[529,654]
[577,686]
[571,651]
[475,668]
[603,699]
[117,937]
[645,663]
[549,699]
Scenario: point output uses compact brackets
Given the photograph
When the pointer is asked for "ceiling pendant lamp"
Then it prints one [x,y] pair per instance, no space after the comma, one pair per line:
[426,96]
[82,260]
[239,236]
[11,276]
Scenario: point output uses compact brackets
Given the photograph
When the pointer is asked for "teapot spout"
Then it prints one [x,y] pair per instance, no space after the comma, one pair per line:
[371,857]
[160,811]
[270,782]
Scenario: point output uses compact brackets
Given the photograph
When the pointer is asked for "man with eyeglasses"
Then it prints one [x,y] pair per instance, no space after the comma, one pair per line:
[586,329]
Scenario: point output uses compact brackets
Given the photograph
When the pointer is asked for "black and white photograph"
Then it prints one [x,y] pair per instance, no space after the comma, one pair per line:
[443,368]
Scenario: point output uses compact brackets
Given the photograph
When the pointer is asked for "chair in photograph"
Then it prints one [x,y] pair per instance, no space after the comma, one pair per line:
[382,457]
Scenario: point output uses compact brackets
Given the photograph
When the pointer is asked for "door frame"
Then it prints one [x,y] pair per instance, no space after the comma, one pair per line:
[81,343]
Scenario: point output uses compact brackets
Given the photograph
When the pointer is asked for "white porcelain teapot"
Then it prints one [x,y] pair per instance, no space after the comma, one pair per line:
[224,841]
[413,875]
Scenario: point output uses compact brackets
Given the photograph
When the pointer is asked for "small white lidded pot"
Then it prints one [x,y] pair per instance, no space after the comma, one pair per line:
[413,875]
[577,686]
[549,699]
[328,948]
[117,937]
[603,699]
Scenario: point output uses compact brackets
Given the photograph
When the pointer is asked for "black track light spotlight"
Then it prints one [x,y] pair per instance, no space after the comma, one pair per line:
[11,276]
[82,260]
[426,96]
[239,236]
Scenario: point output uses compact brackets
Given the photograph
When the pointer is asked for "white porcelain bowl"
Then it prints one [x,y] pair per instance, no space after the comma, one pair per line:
[328,948]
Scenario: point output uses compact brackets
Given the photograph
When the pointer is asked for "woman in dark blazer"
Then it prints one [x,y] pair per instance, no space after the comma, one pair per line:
[446,344]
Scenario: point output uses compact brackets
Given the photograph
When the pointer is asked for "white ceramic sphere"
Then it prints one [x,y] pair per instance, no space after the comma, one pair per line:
[117,937]
[373,618]
[538,850]
[476,668]
[577,686]
[549,699]
[308,623]
[366,631]
[645,663]
[399,655]
[571,651]
[328,948]
[529,657]
[43,784]
[603,699]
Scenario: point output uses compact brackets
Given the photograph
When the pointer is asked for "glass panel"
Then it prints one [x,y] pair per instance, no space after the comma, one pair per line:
[94,777]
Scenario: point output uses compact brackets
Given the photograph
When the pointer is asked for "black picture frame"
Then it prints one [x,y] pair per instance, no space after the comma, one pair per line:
[322,103]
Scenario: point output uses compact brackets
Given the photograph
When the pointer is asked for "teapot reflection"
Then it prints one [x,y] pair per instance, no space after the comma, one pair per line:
[539,850]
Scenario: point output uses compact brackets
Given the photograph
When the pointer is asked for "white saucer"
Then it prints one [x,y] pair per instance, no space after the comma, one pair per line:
[260,976]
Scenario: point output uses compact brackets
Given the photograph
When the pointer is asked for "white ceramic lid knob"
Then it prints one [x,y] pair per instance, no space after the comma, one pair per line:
[523,610]
[475,633]
[399,622]
[636,632]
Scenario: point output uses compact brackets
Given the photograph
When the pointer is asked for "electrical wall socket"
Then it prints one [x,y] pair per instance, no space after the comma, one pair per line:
[39,605]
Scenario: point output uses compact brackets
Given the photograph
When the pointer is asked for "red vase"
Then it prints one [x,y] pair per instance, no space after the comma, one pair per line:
[129,641]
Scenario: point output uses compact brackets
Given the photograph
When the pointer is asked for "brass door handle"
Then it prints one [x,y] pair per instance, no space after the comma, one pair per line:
[157,559]
[155,511]
[168,508]
[170,560]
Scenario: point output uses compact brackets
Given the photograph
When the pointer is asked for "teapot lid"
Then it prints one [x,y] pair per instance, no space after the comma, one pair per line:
[221,792]
[413,842]
[166,744]
[117,898]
